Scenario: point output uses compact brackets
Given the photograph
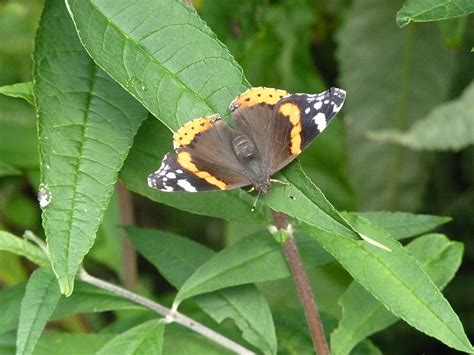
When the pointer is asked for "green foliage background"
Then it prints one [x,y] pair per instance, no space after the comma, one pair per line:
[403,142]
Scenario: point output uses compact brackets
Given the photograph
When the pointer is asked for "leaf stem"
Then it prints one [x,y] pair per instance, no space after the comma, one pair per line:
[169,314]
[300,278]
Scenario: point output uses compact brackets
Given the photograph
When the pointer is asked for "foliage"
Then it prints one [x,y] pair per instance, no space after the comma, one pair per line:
[109,79]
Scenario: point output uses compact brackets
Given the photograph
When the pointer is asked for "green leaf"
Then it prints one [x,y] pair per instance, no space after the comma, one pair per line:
[86,127]
[402,225]
[13,244]
[397,281]
[363,315]
[153,141]
[432,10]
[146,338]
[21,90]
[8,170]
[171,61]
[180,340]
[177,258]
[256,258]
[292,331]
[395,68]
[41,297]
[60,343]
[304,201]
[448,126]
[85,299]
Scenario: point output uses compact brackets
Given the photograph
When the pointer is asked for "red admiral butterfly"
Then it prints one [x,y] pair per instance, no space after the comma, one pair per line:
[270,129]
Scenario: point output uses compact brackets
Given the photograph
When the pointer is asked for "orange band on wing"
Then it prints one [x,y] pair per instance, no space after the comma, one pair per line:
[294,115]
[191,129]
[255,96]
[184,159]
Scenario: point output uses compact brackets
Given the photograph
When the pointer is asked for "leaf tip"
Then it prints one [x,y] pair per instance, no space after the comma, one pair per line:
[402,19]
[66,286]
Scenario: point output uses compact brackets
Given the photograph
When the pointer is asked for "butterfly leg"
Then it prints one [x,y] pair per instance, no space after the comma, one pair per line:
[280,182]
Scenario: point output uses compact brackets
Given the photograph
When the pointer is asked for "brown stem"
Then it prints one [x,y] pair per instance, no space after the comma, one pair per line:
[305,293]
[129,256]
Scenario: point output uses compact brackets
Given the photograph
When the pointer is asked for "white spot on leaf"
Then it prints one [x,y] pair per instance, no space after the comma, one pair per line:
[44,196]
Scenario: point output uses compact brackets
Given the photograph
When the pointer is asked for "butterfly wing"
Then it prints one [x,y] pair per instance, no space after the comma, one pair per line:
[308,116]
[203,159]
[282,125]
[252,114]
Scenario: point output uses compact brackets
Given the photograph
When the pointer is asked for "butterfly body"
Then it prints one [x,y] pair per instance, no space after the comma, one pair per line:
[269,129]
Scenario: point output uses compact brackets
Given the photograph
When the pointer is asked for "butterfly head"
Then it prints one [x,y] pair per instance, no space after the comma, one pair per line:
[262,187]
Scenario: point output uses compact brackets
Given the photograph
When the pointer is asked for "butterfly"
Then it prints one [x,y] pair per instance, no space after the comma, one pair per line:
[269,129]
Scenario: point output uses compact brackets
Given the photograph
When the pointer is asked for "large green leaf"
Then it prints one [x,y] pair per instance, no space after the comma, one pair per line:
[171,61]
[13,244]
[433,10]
[363,315]
[256,258]
[177,258]
[41,297]
[392,78]
[397,281]
[86,127]
[403,225]
[449,126]
[146,338]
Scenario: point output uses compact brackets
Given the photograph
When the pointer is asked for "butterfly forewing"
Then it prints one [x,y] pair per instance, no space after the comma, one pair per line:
[307,116]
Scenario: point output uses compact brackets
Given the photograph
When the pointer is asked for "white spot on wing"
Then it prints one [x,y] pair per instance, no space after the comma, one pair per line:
[308,109]
[320,121]
[338,108]
[186,185]
[171,175]
[318,105]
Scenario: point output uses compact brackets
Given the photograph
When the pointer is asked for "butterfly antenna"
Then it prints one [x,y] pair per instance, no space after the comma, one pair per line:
[255,202]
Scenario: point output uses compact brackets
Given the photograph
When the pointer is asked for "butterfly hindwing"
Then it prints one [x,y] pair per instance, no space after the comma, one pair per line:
[172,177]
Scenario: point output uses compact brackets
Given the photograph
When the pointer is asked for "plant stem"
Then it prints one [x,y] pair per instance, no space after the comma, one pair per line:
[129,256]
[170,315]
[300,278]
